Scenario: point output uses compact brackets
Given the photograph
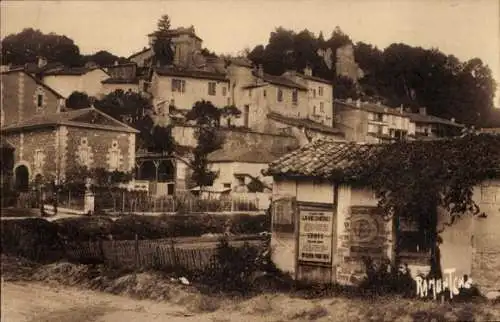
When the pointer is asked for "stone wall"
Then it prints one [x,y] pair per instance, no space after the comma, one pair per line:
[486,242]
[101,143]
[19,99]
[29,145]
[240,139]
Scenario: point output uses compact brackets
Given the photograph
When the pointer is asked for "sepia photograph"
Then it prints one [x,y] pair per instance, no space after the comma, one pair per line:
[250,160]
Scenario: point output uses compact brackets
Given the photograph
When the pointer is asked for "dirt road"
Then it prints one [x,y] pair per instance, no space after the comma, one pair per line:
[28,302]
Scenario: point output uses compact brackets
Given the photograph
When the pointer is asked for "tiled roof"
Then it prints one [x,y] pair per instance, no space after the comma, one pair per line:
[81,117]
[190,73]
[140,52]
[74,71]
[281,81]
[321,158]
[307,123]
[324,158]
[251,155]
[112,80]
[370,107]
[315,79]
[421,118]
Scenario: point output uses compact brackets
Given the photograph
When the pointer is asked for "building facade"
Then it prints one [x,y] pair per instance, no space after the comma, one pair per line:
[49,142]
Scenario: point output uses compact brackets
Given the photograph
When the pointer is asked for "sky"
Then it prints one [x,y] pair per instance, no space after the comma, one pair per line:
[464,28]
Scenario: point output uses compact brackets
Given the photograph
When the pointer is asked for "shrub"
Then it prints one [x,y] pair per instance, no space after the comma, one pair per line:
[386,278]
[234,268]
[33,238]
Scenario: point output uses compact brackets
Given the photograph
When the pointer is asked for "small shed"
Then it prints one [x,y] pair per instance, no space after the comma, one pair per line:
[323,228]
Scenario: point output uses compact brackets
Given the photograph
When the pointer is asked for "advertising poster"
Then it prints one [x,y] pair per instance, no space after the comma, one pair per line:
[315,239]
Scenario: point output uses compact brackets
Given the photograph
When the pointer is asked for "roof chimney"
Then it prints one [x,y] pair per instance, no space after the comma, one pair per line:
[422,111]
[260,71]
[358,103]
[401,108]
[42,61]
[308,71]
[349,100]
[452,120]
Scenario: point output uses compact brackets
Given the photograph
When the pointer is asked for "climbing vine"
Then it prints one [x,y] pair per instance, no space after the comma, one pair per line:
[414,179]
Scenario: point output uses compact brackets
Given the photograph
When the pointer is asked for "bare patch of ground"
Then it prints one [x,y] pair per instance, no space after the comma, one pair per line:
[61,292]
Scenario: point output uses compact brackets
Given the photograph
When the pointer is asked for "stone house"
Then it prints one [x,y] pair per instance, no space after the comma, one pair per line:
[320,95]
[322,228]
[186,46]
[183,88]
[376,123]
[49,141]
[429,126]
[126,77]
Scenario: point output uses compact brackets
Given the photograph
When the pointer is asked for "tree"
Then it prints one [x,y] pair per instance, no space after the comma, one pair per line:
[344,87]
[137,111]
[103,58]
[162,47]
[26,46]
[163,24]
[209,139]
[78,100]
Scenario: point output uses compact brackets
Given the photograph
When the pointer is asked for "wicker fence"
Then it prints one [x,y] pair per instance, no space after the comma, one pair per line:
[196,254]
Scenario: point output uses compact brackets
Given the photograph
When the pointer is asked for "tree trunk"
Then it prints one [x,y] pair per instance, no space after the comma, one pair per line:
[435,259]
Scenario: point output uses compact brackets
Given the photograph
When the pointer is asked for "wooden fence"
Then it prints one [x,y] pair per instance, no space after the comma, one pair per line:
[140,202]
[197,254]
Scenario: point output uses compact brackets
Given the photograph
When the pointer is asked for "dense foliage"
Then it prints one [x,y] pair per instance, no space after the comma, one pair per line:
[413,179]
[398,74]
[78,100]
[25,46]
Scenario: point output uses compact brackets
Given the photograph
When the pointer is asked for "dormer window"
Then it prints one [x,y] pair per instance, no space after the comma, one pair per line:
[280,95]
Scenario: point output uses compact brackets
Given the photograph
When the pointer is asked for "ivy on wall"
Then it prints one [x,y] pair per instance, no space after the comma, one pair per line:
[413,179]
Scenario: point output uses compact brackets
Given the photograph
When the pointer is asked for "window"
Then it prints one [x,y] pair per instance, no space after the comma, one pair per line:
[227,186]
[114,160]
[228,101]
[280,95]
[295,97]
[250,92]
[178,85]
[314,110]
[314,92]
[224,91]
[411,238]
[320,91]
[265,93]
[39,100]
[38,159]
[321,107]
[246,115]
[211,88]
